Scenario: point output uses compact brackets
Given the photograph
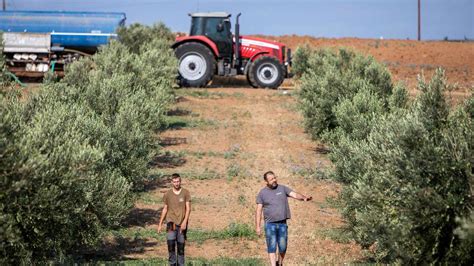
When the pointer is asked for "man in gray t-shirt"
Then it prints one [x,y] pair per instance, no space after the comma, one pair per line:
[272,200]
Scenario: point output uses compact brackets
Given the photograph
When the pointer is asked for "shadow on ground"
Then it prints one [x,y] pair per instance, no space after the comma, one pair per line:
[229,82]
[167,160]
[156,181]
[115,249]
[142,217]
[241,82]
[321,149]
[178,112]
[171,141]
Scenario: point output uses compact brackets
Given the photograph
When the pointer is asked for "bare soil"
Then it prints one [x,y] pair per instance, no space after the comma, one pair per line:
[249,131]
[406,59]
[252,131]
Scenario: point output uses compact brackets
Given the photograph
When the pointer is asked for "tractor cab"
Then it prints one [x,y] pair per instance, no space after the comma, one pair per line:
[215,26]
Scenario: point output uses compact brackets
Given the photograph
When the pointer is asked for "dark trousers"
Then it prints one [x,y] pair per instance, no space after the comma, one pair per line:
[175,240]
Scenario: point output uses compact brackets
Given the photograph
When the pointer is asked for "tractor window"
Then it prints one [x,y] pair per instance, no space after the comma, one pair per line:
[197,26]
[212,32]
[208,26]
[211,25]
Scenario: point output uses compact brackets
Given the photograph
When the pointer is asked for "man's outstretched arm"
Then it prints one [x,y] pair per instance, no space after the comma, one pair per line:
[299,196]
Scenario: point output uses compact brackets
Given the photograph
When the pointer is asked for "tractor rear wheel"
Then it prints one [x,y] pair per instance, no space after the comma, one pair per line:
[196,64]
[266,72]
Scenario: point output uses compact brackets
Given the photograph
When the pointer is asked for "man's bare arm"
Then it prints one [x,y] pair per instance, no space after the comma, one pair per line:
[163,216]
[299,196]
[258,218]
[184,225]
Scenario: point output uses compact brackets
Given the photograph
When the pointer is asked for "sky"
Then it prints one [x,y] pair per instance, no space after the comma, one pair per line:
[388,19]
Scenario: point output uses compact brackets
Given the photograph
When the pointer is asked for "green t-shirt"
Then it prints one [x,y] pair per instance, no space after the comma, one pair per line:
[176,205]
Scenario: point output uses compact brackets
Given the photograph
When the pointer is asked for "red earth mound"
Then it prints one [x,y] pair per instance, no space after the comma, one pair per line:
[405,58]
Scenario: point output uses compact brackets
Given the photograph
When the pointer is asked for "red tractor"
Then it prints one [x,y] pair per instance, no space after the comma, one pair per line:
[211,49]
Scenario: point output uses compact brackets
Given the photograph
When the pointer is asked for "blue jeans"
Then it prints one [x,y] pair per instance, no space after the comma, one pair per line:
[276,234]
[175,238]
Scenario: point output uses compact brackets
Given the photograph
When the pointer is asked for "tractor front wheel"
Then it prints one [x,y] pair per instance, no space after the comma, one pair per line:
[250,82]
[196,64]
[266,72]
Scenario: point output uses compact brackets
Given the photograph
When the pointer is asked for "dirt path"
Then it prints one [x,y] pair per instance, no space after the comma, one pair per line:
[223,140]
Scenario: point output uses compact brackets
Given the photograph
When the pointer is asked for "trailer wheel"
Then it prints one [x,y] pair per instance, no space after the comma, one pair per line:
[266,72]
[196,64]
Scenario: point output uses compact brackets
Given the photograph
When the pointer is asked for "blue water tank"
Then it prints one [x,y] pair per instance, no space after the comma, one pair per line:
[68,29]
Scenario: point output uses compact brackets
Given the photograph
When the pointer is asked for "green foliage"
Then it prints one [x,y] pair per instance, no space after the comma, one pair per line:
[207,174]
[431,104]
[5,82]
[11,234]
[130,96]
[58,192]
[399,98]
[465,232]
[239,230]
[72,153]
[300,60]
[226,261]
[235,169]
[232,152]
[234,230]
[406,169]
[178,122]
[2,57]
[330,78]
[136,35]
[469,106]
[408,181]
[356,115]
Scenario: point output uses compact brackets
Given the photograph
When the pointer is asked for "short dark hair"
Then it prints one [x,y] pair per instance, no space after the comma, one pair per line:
[175,175]
[266,174]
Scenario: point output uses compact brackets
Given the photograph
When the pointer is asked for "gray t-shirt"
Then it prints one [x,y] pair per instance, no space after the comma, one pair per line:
[275,203]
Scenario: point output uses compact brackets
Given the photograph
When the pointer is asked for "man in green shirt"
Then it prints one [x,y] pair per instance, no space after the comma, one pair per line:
[176,210]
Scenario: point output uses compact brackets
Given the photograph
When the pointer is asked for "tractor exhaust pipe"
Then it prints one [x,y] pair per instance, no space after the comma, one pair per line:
[237,43]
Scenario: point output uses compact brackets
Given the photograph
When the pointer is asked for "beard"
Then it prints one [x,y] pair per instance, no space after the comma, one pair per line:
[273,185]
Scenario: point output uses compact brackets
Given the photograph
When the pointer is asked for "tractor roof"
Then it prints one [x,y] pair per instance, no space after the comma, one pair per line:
[211,15]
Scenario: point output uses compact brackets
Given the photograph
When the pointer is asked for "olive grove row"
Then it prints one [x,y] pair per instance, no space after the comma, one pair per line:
[73,152]
[405,164]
